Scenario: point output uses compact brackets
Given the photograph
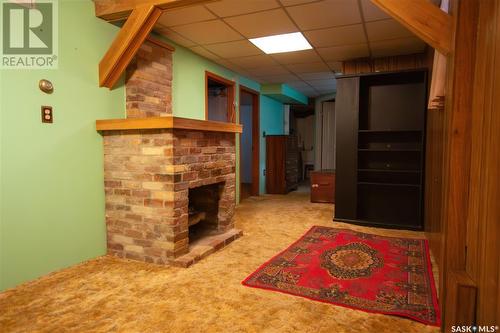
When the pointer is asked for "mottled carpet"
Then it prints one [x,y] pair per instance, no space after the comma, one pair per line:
[114,295]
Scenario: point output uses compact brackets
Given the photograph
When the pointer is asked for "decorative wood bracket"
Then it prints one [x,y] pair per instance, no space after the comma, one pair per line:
[115,10]
[130,38]
[424,19]
[141,16]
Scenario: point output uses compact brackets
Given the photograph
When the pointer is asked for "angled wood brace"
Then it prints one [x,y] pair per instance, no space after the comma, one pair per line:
[130,38]
[422,18]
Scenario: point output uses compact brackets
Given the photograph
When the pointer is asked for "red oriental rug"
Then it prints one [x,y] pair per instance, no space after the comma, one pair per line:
[372,273]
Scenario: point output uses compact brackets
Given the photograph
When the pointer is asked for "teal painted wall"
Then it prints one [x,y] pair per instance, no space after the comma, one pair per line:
[52,196]
[271,122]
[284,93]
[296,95]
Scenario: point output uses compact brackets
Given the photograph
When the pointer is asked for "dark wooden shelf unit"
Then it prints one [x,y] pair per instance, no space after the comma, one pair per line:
[380,149]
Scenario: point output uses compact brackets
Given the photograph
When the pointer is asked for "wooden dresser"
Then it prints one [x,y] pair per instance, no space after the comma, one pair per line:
[282,171]
[323,186]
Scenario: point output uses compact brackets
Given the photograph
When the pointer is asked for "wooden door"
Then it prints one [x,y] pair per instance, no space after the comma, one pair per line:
[275,164]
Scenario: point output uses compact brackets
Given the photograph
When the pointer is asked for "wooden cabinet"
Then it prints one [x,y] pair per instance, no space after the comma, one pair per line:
[281,163]
[323,186]
[380,140]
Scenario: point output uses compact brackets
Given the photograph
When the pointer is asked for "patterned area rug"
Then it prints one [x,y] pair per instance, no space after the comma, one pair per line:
[360,271]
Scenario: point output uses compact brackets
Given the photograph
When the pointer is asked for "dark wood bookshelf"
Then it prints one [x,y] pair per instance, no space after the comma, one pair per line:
[380,148]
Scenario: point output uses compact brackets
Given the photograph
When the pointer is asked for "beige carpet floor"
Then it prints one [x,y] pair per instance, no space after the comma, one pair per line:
[114,295]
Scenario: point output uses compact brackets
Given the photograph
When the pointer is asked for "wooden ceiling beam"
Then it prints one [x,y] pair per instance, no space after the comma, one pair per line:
[126,44]
[424,19]
[116,10]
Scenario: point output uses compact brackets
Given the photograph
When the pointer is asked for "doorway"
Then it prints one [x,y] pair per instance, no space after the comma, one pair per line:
[249,143]
[327,135]
[219,99]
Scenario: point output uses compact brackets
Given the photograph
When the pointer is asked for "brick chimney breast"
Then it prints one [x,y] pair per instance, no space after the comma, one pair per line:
[148,173]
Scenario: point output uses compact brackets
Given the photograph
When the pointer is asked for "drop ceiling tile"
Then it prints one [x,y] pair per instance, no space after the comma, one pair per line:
[308,67]
[340,53]
[325,91]
[282,78]
[272,22]
[386,29]
[371,12]
[229,65]
[231,7]
[309,92]
[269,71]
[223,62]
[208,32]
[335,66]
[173,36]
[262,60]
[323,84]
[350,34]
[204,52]
[317,76]
[297,57]
[298,84]
[398,46]
[241,48]
[325,14]
[294,2]
[185,15]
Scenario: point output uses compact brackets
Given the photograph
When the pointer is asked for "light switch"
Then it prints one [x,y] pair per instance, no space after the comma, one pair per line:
[47,114]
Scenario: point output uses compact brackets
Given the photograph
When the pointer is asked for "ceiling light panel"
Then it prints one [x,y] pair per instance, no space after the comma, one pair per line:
[291,42]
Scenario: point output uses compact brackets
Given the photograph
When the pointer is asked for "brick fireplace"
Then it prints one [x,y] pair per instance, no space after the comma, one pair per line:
[169,182]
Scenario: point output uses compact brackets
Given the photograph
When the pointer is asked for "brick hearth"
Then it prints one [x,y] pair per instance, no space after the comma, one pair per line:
[148,172]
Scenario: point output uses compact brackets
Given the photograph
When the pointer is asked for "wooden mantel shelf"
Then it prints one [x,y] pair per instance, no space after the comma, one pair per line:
[165,123]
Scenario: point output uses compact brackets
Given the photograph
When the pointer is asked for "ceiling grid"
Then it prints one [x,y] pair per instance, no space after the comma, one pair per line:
[338,30]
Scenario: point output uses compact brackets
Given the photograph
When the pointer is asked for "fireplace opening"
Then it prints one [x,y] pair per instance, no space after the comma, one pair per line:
[203,211]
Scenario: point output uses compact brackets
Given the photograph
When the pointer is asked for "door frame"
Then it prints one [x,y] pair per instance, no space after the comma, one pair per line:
[255,138]
[230,85]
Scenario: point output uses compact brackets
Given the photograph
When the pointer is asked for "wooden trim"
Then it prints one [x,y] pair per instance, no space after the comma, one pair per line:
[249,90]
[424,19]
[483,229]
[160,43]
[126,44]
[231,112]
[461,300]
[255,138]
[256,144]
[115,10]
[457,146]
[166,123]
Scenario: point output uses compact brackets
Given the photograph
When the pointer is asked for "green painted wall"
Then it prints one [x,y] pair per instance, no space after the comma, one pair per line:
[189,99]
[52,196]
[1,186]
[51,175]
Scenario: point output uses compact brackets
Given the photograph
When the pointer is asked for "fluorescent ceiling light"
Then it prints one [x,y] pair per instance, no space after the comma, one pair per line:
[282,43]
